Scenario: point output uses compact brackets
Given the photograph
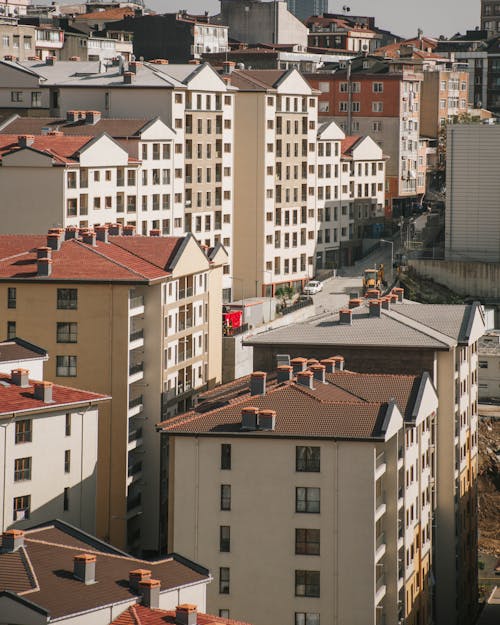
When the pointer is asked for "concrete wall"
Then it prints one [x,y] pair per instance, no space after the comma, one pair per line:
[474,279]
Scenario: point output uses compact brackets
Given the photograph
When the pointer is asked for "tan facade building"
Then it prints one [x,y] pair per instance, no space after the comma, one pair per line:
[138,318]
[316,469]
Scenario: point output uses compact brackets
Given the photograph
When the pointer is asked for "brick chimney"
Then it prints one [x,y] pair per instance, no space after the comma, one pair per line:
[186,614]
[298,364]
[101,233]
[386,302]
[50,60]
[71,232]
[20,377]
[92,117]
[84,568]
[372,294]
[89,237]
[319,372]
[25,140]
[115,230]
[305,378]
[375,308]
[74,116]
[12,540]
[228,67]
[329,365]
[355,302]
[43,391]
[285,373]
[54,241]
[44,252]
[155,232]
[339,362]
[44,267]
[249,418]
[267,420]
[258,383]
[399,292]
[128,78]
[134,66]
[129,231]
[150,591]
[345,316]
[137,576]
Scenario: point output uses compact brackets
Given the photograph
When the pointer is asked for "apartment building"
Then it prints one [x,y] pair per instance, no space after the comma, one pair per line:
[138,318]
[193,100]
[327,31]
[275,170]
[55,572]
[411,339]
[381,98]
[48,429]
[341,462]
[489,366]
[100,171]
[490,17]
[13,8]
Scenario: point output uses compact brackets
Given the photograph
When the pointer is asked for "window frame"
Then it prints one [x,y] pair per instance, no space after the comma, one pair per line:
[307,542]
[68,370]
[308,583]
[67,299]
[225,456]
[307,501]
[22,471]
[306,460]
[225,496]
[225,538]
[24,435]
[224,580]
[71,334]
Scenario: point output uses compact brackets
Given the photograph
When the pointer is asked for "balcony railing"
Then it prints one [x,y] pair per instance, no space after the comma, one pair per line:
[136,302]
[135,435]
[137,368]
[135,336]
[133,502]
[134,469]
[137,401]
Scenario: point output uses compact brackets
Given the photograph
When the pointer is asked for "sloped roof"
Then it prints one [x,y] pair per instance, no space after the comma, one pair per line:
[116,13]
[61,148]
[141,615]
[116,128]
[349,143]
[256,79]
[16,349]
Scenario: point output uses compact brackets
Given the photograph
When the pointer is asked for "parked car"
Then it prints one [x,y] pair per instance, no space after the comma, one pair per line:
[313,287]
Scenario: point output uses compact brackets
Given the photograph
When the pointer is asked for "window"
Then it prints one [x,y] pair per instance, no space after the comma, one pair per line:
[378,87]
[223,613]
[16,96]
[67,299]
[307,583]
[306,618]
[67,461]
[225,497]
[66,366]
[225,538]
[307,459]
[225,456]
[11,297]
[67,425]
[377,107]
[21,506]
[66,499]
[67,332]
[224,580]
[307,499]
[483,364]
[36,99]
[23,431]
[71,207]
[11,329]
[22,469]
[307,542]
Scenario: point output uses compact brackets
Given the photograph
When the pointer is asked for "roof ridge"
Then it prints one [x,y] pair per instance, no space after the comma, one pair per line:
[30,571]
[418,326]
[112,260]
[133,253]
[307,391]
[134,614]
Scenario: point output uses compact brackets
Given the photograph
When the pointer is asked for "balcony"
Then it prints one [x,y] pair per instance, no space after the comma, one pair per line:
[135,406]
[380,466]
[380,589]
[134,438]
[380,507]
[134,505]
[135,372]
[136,306]
[380,547]
[136,339]
[134,469]
[401,497]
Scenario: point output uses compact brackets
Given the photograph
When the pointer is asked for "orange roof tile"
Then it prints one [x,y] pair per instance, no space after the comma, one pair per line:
[117,13]
[348,143]
[141,615]
[62,148]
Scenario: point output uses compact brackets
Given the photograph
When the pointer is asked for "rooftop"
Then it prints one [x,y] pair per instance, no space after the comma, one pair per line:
[140,615]
[62,149]
[117,128]
[42,571]
[17,349]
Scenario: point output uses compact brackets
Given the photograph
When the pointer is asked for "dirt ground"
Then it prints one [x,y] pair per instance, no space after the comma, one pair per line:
[489,480]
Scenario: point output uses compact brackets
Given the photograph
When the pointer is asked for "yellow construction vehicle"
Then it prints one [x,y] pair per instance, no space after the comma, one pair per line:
[373,278]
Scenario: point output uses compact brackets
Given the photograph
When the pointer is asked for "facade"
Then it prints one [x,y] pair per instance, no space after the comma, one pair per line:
[302,9]
[262,22]
[54,572]
[14,8]
[341,463]
[328,31]
[47,429]
[489,366]
[490,17]
[381,98]
[471,231]
[275,194]
[177,37]
[410,339]
[144,319]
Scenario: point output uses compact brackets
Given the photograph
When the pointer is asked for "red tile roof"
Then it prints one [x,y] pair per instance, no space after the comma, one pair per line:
[117,13]
[140,615]
[62,148]
[15,398]
[348,143]
[123,259]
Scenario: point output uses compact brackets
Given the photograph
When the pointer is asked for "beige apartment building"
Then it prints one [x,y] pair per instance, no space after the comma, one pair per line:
[410,339]
[327,475]
[138,318]
[275,172]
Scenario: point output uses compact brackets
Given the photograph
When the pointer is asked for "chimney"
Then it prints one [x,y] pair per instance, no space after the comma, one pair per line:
[134,66]
[44,267]
[375,307]
[312,361]
[193,62]
[329,365]
[55,133]
[129,231]
[150,591]
[249,418]
[50,60]
[54,241]
[258,383]
[186,614]
[285,373]
[74,58]
[319,372]
[71,232]
[9,57]
[89,237]
[339,362]
[159,61]
[155,232]
[372,294]
[74,116]
[84,568]
[101,233]
[267,420]
[399,293]
[92,117]
[43,391]
[228,67]
[25,140]
[345,317]
[137,576]
[128,78]
[305,378]
[20,377]
[386,302]
[115,230]
[44,252]
[12,540]
[354,303]
[298,364]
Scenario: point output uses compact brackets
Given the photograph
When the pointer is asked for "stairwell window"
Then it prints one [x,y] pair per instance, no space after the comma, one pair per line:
[225,456]
[225,497]
[224,580]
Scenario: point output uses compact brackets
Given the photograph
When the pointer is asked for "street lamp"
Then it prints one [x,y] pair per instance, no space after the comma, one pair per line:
[391,243]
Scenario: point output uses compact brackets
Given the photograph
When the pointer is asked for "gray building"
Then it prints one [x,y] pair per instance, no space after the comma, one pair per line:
[302,9]
[490,17]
